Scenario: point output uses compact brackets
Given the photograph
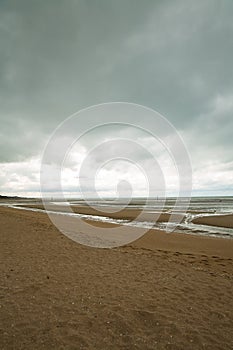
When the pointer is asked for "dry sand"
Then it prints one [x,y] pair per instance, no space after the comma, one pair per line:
[164,291]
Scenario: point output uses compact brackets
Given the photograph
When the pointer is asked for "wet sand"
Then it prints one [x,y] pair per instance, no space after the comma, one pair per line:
[163,291]
[114,213]
[215,220]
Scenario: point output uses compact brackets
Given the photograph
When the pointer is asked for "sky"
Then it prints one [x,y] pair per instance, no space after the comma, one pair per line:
[173,56]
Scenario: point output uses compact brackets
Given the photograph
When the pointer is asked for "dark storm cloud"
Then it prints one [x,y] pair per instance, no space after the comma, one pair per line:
[60,56]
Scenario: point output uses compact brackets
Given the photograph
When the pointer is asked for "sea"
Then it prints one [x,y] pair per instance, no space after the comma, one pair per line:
[190,208]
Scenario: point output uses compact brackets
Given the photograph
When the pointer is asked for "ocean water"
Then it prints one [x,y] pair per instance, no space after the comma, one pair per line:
[220,205]
[195,207]
[198,206]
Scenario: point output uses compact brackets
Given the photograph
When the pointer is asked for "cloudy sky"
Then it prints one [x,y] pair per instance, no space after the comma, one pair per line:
[174,56]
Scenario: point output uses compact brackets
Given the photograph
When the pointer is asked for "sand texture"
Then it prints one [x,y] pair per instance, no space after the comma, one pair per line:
[216,220]
[126,214]
[164,291]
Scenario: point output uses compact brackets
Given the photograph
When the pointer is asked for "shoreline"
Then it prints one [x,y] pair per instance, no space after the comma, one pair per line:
[153,239]
[208,225]
[224,220]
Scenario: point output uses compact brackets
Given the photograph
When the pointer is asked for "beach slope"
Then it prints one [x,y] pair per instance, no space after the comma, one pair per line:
[161,292]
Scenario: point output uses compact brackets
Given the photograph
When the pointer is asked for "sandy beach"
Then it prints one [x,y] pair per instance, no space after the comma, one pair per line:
[111,212]
[163,291]
[116,168]
[216,220]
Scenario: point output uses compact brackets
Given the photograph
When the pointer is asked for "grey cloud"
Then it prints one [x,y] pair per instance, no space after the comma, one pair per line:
[58,57]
